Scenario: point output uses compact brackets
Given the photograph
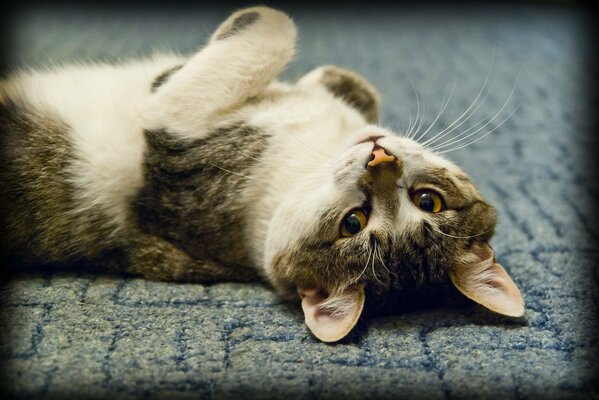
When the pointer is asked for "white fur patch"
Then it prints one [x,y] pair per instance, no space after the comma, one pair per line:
[101,103]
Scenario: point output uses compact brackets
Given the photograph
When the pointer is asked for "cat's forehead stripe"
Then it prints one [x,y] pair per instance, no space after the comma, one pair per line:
[439,177]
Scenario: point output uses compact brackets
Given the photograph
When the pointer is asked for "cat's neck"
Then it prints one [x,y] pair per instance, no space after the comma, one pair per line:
[297,162]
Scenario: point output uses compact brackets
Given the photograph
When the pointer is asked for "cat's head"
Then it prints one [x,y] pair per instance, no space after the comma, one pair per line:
[390,217]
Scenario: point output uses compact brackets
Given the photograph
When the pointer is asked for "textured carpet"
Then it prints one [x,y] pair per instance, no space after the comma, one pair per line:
[89,336]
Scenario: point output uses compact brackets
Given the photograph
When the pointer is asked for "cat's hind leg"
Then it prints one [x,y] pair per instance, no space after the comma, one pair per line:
[157,259]
[245,53]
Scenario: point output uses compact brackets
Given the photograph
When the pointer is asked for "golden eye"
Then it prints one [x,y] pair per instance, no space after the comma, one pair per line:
[428,200]
[353,223]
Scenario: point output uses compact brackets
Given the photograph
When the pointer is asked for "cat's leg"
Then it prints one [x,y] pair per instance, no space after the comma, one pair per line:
[157,259]
[242,57]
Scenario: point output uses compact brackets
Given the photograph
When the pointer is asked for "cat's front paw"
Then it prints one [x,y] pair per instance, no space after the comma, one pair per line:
[262,21]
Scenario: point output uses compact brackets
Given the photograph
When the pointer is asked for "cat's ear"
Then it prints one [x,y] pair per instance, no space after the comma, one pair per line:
[349,86]
[331,318]
[480,278]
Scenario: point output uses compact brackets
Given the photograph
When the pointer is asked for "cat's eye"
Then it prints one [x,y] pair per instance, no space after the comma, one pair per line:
[353,222]
[428,200]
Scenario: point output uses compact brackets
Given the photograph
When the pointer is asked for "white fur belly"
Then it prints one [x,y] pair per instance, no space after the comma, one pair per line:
[101,104]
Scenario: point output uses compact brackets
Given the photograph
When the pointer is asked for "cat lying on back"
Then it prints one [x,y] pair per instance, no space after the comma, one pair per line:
[206,169]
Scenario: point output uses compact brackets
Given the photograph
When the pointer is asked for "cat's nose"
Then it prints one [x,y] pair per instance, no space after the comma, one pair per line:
[379,155]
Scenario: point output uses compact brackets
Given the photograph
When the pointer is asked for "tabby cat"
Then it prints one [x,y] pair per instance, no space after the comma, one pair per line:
[207,169]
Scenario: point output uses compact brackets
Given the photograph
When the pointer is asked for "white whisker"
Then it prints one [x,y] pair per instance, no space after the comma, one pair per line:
[407,134]
[481,137]
[364,270]
[230,172]
[380,257]
[438,230]
[410,132]
[422,117]
[466,114]
[444,103]
[372,264]
[461,138]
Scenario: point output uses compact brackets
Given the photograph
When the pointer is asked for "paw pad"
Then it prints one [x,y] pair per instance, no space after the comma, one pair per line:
[239,23]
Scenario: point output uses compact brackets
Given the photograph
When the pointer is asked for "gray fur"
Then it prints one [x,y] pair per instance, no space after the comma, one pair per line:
[162,78]
[239,23]
[353,89]
[36,195]
[193,191]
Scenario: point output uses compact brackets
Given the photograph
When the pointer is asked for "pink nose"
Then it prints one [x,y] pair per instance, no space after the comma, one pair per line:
[379,156]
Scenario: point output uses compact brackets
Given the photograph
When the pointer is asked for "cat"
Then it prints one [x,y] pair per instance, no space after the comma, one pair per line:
[207,169]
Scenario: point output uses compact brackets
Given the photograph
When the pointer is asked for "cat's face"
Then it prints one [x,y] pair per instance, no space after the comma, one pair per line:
[390,217]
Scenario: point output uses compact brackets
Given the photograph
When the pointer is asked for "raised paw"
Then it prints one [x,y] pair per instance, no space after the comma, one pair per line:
[243,57]
[230,28]
[262,21]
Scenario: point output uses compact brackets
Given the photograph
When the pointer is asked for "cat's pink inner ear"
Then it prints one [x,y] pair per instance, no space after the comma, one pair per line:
[487,283]
[331,318]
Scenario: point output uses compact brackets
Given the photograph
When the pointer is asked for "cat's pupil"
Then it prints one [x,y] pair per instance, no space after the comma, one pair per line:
[352,223]
[426,202]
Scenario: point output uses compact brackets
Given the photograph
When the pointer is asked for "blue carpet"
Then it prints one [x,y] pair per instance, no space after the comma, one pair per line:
[96,336]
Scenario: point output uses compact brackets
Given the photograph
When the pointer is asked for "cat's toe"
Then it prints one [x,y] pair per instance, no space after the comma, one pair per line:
[261,20]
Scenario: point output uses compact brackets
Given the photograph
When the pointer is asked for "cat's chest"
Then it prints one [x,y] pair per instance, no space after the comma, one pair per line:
[193,192]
